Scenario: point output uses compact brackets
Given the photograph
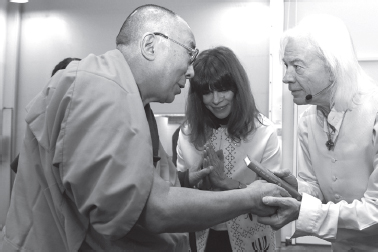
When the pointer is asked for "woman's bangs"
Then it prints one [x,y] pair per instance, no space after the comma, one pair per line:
[212,76]
[205,85]
[224,83]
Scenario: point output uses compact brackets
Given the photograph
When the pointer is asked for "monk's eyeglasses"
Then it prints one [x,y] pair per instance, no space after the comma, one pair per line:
[193,53]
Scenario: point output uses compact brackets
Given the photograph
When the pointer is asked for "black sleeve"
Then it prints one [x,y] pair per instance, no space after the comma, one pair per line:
[14,164]
[184,178]
[174,145]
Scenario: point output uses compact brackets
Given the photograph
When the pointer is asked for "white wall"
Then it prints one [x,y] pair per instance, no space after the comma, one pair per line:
[9,37]
[4,174]
[3,9]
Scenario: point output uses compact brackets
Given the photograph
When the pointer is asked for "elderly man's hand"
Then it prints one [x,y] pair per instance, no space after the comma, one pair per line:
[288,211]
[287,176]
[260,189]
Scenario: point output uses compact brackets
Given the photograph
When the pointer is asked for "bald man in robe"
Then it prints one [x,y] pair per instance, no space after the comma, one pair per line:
[92,173]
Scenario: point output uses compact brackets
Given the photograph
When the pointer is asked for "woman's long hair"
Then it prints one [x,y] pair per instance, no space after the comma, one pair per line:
[219,69]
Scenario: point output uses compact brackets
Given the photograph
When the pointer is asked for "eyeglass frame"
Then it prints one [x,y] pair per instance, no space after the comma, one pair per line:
[193,52]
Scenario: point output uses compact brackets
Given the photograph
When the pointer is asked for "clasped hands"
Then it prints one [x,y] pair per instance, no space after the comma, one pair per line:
[210,173]
[272,204]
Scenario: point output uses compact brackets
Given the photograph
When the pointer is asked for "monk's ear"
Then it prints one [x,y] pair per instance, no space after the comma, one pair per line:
[147,46]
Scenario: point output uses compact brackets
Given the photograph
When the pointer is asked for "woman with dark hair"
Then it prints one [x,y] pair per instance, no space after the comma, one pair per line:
[221,116]
[63,64]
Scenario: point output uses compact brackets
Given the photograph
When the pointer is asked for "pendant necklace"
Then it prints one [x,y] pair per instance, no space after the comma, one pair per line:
[330,144]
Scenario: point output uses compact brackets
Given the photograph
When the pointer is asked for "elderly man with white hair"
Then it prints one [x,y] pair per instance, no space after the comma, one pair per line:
[338,138]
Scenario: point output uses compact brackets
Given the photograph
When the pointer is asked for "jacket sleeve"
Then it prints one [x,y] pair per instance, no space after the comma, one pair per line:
[271,158]
[188,157]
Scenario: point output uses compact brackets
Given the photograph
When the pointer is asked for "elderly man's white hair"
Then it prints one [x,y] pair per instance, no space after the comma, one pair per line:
[331,40]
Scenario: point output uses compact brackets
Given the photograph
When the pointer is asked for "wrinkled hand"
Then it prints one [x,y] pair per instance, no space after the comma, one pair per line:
[260,189]
[216,161]
[288,211]
[287,176]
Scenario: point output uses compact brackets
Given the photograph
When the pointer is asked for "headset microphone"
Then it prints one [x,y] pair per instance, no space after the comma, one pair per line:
[310,96]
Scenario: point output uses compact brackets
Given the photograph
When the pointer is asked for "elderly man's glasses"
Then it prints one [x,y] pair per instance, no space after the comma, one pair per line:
[192,52]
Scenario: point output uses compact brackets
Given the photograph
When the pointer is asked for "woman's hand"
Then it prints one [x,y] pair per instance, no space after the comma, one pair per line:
[199,178]
[217,178]
[215,160]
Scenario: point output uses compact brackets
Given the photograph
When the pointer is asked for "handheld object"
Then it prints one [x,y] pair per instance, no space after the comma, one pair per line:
[270,177]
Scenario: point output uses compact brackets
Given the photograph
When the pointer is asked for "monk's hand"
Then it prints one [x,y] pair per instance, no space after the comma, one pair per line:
[287,211]
[260,189]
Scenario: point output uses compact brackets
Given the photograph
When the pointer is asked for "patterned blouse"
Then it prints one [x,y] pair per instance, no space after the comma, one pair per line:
[262,145]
